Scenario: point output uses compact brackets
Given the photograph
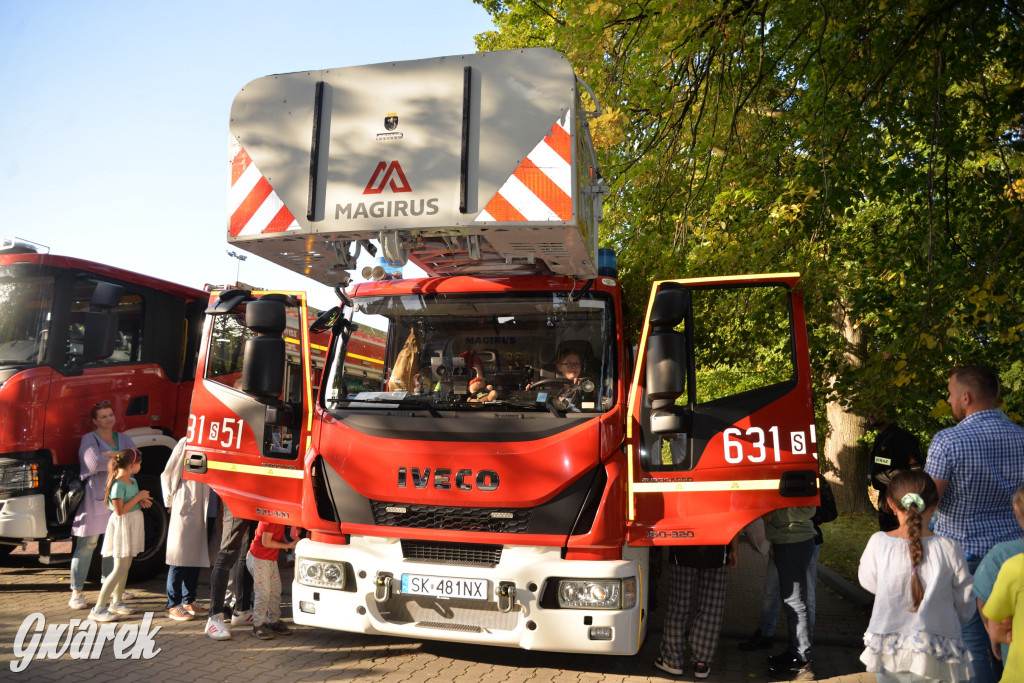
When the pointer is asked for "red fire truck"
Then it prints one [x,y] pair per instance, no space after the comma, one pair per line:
[73,333]
[503,478]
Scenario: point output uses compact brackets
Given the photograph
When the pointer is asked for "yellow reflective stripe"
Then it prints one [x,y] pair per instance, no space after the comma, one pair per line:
[640,595]
[631,512]
[318,347]
[766,278]
[254,469]
[699,486]
[372,360]
[307,362]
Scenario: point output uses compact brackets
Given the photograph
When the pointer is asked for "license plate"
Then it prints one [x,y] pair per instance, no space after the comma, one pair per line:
[444,587]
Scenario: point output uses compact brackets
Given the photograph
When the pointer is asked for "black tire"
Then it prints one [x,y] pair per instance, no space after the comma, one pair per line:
[152,560]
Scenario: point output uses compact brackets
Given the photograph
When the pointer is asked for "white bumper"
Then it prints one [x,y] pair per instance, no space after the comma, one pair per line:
[526,625]
[23,517]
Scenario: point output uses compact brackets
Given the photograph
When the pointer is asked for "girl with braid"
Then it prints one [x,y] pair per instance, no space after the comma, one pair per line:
[922,592]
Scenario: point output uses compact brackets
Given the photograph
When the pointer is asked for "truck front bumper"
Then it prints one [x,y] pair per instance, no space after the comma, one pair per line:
[23,517]
[372,600]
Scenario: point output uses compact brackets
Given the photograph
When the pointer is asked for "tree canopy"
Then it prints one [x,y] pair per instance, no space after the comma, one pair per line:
[873,146]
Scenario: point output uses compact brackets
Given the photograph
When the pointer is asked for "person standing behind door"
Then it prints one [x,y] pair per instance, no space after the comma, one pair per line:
[977,466]
[94,453]
[895,449]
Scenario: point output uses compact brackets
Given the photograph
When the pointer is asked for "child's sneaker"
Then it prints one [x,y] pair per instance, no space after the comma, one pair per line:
[77,600]
[701,669]
[121,608]
[195,610]
[242,618]
[126,596]
[262,632]
[179,614]
[216,629]
[280,628]
[102,615]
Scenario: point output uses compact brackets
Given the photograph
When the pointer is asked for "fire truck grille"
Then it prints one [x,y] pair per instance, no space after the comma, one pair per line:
[464,554]
[471,616]
[451,518]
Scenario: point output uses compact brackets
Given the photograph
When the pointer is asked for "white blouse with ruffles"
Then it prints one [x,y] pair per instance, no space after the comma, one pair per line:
[927,642]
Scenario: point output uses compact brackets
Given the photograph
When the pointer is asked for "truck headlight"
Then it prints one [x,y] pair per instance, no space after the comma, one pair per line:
[321,573]
[17,477]
[597,593]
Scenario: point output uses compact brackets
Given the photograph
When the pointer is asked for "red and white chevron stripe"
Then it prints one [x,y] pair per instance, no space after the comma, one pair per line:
[253,206]
[540,189]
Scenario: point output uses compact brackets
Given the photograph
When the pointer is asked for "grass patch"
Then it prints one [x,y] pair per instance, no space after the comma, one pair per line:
[845,539]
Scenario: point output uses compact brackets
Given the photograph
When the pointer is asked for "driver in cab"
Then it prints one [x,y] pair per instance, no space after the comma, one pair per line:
[570,391]
[570,365]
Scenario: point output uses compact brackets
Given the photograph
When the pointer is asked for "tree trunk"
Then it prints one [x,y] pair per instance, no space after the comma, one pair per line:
[846,461]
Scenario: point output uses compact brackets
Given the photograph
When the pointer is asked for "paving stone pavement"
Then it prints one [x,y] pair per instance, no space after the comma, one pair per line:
[186,654]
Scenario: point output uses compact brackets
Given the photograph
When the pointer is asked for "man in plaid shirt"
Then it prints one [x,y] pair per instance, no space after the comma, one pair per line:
[977,466]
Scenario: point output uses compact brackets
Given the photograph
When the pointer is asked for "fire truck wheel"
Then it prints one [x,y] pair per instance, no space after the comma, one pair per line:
[151,561]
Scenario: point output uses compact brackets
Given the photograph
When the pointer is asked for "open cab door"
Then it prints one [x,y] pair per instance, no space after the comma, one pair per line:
[721,423]
[251,417]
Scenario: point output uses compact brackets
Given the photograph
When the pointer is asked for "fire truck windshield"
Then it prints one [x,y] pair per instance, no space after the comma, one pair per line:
[25,311]
[534,351]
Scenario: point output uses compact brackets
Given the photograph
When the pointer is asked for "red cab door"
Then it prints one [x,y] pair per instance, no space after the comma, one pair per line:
[250,419]
[721,424]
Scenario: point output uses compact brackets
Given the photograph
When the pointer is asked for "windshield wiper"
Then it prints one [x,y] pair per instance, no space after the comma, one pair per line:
[387,398]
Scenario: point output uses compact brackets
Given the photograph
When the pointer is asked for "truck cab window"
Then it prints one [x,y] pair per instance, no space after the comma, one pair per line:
[224,360]
[468,352]
[742,358]
[741,341]
[25,312]
[130,313]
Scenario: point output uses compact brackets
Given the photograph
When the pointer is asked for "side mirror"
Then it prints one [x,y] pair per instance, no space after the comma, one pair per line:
[666,361]
[105,296]
[326,321]
[266,316]
[666,368]
[263,362]
[100,335]
[100,322]
[263,367]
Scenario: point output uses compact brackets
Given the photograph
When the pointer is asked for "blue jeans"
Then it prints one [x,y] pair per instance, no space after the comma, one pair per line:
[773,601]
[182,585]
[792,561]
[977,641]
[81,558]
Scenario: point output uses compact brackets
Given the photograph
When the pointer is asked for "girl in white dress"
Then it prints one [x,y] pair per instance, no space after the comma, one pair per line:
[922,592]
[125,534]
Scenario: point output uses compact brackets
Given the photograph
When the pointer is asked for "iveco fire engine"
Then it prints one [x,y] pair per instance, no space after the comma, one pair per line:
[503,475]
